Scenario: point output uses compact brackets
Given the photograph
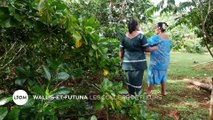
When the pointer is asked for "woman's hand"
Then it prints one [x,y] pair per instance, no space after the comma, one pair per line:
[155,47]
[151,49]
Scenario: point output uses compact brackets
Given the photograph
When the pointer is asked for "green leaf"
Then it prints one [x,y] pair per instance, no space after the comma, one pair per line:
[4,11]
[89,29]
[172,2]
[78,43]
[63,104]
[77,36]
[94,47]
[123,91]
[91,53]
[62,76]
[4,17]
[38,90]
[47,74]
[61,91]
[12,10]
[21,71]
[3,112]
[18,17]
[5,100]
[106,84]
[96,54]
[41,5]
[112,105]
[81,118]
[13,114]
[47,92]
[7,23]
[29,103]
[93,117]
[59,5]
[20,82]
[99,106]
[90,22]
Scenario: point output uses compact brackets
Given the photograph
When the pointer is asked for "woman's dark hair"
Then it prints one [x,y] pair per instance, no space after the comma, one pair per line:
[162,26]
[132,25]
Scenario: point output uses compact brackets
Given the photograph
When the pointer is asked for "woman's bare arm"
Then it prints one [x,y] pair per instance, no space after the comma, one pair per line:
[151,49]
[121,53]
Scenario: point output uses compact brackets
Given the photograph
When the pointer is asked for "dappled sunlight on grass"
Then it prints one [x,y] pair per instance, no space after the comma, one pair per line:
[192,87]
[183,65]
[174,81]
[187,102]
[183,105]
[184,99]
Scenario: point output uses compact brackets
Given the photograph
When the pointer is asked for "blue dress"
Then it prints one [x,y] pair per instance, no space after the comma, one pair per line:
[134,61]
[159,60]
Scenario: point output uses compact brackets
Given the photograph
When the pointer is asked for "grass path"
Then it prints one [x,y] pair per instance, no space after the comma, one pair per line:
[184,101]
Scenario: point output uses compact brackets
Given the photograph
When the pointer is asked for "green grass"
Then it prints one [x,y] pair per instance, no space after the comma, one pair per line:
[183,98]
[187,65]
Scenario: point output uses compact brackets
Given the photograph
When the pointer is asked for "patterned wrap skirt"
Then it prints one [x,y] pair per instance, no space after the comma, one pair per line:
[156,77]
[134,80]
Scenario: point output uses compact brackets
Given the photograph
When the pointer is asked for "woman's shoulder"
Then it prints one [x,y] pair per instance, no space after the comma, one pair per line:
[155,37]
[164,37]
[141,34]
[135,36]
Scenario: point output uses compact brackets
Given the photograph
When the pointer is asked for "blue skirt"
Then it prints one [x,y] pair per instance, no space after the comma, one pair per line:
[156,77]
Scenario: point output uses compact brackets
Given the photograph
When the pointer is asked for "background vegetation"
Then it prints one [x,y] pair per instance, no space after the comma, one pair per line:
[67,47]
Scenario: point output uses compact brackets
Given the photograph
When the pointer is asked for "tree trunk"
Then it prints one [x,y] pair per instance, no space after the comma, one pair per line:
[206,44]
[203,86]
[206,37]
[110,17]
[211,105]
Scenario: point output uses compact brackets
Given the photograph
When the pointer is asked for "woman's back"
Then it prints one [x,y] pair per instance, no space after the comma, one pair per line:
[133,44]
[134,58]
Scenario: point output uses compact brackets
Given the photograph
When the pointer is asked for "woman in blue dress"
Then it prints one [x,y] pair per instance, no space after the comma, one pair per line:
[159,59]
[131,54]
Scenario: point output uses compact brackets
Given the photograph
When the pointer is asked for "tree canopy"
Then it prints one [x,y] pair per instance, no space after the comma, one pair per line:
[196,14]
[63,47]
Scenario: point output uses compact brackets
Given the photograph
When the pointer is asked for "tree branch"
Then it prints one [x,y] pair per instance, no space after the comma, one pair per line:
[11,60]
[203,28]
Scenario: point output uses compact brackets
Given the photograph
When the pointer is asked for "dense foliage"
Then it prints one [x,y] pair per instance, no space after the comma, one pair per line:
[68,47]
[114,14]
[183,38]
[196,14]
[52,47]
